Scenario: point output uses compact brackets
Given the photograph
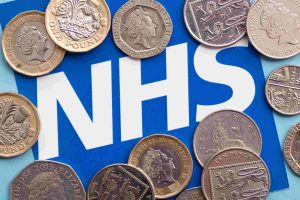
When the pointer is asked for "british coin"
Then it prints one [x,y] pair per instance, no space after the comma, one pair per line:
[142,29]
[273,27]
[166,160]
[282,90]
[121,181]
[292,148]
[192,194]
[225,129]
[78,25]
[19,124]
[27,46]
[235,174]
[216,23]
[47,180]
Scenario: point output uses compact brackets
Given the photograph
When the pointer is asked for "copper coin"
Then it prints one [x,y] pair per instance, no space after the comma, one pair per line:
[225,129]
[235,174]
[19,124]
[47,180]
[27,46]
[166,160]
[120,181]
[192,194]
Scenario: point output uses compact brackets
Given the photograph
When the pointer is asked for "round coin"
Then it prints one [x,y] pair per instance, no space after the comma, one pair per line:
[19,124]
[121,181]
[216,23]
[166,160]
[292,148]
[142,29]
[283,90]
[47,180]
[192,194]
[78,26]
[273,27]
[27,46]
[225,129]
[236,174]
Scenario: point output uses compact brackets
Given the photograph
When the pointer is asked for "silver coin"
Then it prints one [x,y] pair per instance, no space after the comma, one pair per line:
[216,23]
[225,129]
[283,90]
[192,194]
[142,29]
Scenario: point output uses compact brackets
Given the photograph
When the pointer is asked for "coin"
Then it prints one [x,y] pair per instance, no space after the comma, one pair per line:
[142,29]
[120,181]
[78,25]
[282,90]
[273,27]
[292,148]
[166,160]
[216,23]
[192,194]
[47,180]
[225,129]
[235,174]
[19,124]
[28,48]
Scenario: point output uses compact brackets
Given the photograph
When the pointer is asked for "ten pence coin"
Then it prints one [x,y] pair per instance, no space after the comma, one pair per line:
[235,174]
[166,160]
[192,194]
[19,124]
[27,46]
[47,180]
[78,25]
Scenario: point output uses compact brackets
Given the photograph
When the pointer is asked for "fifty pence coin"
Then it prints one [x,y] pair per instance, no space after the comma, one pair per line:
[19,124]
[273,27]
[216,23]
[225,129]
[78,25]
[27,46]
[166,160]
[121,181]
[47,180]
[192,194]
[292,148]
[236,174]
[142,29]
[283,90]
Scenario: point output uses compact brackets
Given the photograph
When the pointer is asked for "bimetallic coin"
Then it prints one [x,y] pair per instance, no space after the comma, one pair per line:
[47,180]
[192,194]
[225,129]
[19,124]
[78,26]
[283,90]
[142,29]
[166,160]
[27,46]
[273,27]
[120,181]
[292,148]
[216,23]
[236,174]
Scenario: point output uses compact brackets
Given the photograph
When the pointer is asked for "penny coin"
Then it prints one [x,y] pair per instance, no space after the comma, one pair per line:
[121,181]
[225,129]
[166,160]
[19,124]
[192,194]
[47,180]
[28,48]
[236,174]
[142,29]
[292,148]
[283,90]
[216,23]
[78,25]
[273,27]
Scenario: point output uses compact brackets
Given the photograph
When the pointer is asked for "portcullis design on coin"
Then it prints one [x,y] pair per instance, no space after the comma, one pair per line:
[44,180]
[142,29]
[216,23]
[192,194]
